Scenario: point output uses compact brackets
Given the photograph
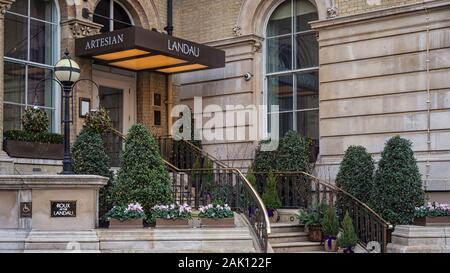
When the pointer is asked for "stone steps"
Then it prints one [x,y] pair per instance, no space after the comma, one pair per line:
[294,247]
[287,228]
[287,237]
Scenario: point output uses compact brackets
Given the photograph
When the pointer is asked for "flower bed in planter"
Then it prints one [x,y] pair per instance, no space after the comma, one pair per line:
[126,217]
[216,216]
[172,216]
[432,214]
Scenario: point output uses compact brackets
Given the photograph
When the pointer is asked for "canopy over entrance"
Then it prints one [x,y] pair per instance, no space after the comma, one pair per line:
[138,49]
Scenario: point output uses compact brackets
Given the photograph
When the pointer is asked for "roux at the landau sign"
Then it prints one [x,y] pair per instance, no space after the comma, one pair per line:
[104,41]
[184,48]
[63,208]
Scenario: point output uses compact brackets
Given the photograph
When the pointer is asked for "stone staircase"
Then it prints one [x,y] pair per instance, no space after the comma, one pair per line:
[288,236]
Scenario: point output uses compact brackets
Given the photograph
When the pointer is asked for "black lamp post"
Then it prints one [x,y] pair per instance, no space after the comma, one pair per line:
[67,72]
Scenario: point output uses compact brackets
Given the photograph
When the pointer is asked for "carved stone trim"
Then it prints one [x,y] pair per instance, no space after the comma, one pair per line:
[82,28]
[5,5]
[332,12]
[237,30]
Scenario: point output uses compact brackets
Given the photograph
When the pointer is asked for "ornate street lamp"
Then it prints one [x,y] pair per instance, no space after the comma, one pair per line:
[67,71]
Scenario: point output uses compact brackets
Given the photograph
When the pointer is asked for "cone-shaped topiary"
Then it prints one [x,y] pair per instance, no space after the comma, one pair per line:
[270,196]
[348,238]
[89,157]
[397,184]
[355,174]
[143,177]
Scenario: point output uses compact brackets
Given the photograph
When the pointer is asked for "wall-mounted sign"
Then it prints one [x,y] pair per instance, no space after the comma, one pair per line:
[85,107]
[104,41]
[26,210]
[60,209]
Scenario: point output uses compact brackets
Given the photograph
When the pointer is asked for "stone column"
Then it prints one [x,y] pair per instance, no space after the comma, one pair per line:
[71,30]
[6,163]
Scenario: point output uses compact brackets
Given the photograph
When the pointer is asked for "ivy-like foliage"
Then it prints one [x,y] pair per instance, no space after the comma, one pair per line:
[398,185]
[89,157]
[35,120]
[356,172]
[143,177]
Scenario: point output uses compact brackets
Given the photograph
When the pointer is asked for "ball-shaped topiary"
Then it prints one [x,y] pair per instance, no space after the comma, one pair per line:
[356,172]
[98,121]
[143,177]
[397,185]
[89,157]
[35,120]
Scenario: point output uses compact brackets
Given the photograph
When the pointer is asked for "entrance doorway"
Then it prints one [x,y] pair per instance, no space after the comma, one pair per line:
[117,95]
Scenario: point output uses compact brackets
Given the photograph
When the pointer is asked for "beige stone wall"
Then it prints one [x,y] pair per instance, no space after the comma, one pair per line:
[348,7]
[380,81]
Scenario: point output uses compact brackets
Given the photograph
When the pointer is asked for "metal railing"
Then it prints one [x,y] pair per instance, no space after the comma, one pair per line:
[185,155]
[201,186]
[302,190]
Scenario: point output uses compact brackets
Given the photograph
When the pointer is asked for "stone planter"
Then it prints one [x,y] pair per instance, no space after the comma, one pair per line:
[23,149]
[330,245]
[177,223]
[432,221]
[217,223]
[128,224]
[315,233]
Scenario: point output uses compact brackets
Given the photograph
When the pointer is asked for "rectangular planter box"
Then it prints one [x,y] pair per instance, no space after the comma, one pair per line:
[128,224]
[178,223]
[217,223]
[432,221]
[24,149]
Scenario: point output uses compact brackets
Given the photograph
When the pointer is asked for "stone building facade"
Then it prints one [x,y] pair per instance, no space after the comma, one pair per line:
[375,69]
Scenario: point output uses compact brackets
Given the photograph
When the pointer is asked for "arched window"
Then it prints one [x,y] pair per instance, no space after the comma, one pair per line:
[292,60]
[112,15]
[31,50]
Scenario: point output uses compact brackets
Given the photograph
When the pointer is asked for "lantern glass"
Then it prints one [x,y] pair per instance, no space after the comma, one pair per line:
[67,70]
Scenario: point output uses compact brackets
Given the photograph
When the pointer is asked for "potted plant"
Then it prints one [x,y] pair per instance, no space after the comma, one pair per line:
[348,238]
[216,215]
[432,214]
[312,219]
[34,141]
[172,216]
[270,197]
[130,216]
[330,228]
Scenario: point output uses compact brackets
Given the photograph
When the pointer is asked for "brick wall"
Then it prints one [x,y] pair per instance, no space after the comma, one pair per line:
[348,7]
[206,20]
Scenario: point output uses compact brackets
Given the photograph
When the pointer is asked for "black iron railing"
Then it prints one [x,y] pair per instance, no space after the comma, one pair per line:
[185,155]
[302,190]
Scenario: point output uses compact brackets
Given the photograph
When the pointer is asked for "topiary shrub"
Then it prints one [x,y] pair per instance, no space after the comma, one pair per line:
[98,121]
[348,238]
[293,153]
[89,157]
[143,177]
[270,196]
[35,120]
[356,171]
[397,185]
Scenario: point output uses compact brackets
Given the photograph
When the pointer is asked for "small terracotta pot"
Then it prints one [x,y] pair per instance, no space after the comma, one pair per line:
[127,224]
[330,246]
[315,233]
[217,223]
